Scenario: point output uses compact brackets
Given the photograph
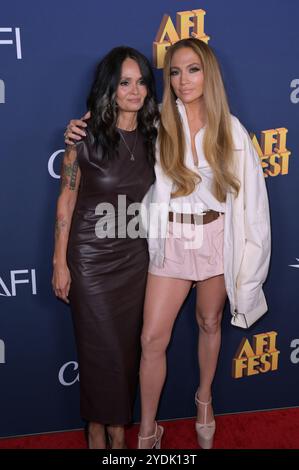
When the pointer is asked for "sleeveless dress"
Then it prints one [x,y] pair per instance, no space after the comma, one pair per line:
[108,278]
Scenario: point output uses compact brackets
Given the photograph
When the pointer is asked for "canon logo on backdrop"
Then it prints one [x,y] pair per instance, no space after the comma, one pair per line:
[67,373]
[12,37]
[51,164]
[2,352]
[2,92]
[10,287]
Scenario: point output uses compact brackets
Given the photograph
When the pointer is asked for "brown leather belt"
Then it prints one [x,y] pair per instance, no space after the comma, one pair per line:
[198,219]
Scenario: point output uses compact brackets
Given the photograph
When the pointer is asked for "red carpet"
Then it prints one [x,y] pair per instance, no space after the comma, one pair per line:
[277,429]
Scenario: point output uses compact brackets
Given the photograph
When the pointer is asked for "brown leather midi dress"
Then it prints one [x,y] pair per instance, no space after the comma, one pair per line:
[108,278]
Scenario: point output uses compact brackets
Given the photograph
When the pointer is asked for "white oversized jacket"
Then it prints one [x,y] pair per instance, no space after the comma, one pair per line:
[247,241]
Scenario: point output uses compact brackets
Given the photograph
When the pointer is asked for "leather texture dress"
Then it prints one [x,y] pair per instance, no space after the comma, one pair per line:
[108,276]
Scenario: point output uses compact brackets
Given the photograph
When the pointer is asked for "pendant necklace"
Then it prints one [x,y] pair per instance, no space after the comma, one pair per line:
[131,151]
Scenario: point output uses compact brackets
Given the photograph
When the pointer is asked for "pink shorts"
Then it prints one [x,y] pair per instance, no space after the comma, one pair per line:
[195,260]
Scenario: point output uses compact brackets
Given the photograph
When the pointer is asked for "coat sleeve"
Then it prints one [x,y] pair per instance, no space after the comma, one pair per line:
[256,257]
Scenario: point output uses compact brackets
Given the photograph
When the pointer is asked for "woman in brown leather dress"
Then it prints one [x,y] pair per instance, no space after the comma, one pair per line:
[98,267]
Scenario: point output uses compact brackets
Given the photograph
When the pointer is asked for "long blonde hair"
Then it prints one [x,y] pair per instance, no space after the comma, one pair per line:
[217,142]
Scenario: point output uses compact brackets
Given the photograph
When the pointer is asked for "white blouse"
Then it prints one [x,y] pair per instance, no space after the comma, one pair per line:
[202,197]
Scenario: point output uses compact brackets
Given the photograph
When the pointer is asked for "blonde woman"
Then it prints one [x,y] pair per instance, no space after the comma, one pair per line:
[210,176]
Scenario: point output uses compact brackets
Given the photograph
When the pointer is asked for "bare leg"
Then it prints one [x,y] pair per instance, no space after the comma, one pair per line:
[163,299]
[117,437]
[96,436]
[211,295]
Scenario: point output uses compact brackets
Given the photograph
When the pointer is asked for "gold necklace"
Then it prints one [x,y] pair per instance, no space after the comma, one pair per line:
[131,151]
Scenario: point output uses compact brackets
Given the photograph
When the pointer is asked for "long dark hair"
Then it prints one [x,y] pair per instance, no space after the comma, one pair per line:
[102,105]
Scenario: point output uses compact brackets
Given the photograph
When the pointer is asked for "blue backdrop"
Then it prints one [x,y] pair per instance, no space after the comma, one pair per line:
[48,53]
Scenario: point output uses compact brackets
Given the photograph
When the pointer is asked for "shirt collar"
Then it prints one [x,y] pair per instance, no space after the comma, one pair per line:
[182,112]
[238,143]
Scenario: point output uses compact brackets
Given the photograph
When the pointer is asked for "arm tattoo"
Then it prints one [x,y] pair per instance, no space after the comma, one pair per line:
[60,225]
[74,175]
[69,173]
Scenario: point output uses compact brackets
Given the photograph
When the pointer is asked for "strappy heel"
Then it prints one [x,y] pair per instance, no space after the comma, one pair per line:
[157,436]
[205,432]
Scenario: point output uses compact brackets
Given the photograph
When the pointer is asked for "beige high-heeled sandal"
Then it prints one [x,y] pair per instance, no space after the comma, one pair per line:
[159,430]
[205,432]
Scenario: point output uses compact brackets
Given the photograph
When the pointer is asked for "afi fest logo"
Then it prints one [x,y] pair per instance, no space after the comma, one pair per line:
[19,276]
[272,149]
[168,34]
[261,357]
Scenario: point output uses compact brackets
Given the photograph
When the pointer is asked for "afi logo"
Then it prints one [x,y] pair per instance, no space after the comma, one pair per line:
[2,92]
[168,34]
[2,352]
[27,277]
[66,374]
[10,42]
[273,151]
[261,357]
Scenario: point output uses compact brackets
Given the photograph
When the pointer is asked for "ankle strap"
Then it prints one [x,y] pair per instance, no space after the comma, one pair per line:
[197,400]
[149,437]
